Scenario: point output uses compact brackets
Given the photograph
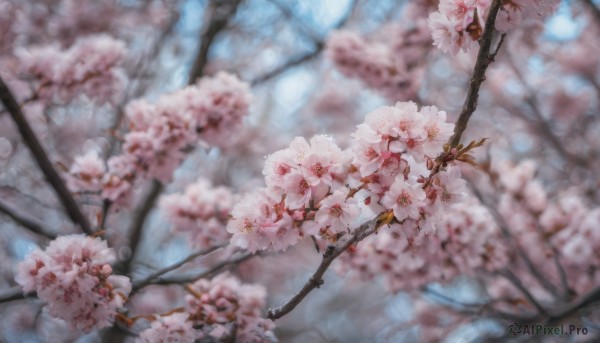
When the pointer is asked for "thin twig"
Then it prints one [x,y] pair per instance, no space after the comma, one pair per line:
[485,57]
[24,220]
[316,280]
[540,124]
[591,298]
[217,268]
[147,280]
[476,308]
[42,159]
[220,13]
[289,14]
[11,294]
[519,285]
[139,220]
[298,60]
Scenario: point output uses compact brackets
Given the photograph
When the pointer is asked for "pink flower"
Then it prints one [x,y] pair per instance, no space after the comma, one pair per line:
[86,173]
[444,34]
[461,12]
[172,328]
[277,166]
[437,131]
[91,66]
[73,277]
[336,212]
[219,305]
[254,222]
[404,199]
[201,212]
[450,186]
[298,190]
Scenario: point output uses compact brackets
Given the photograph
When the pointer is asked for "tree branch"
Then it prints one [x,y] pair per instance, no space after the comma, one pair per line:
[316,280]
[27,222]
[219,12]
[42,159]
[484,58]
[141,214]
[590,298]
[147,280]
[217,268]
[11,294]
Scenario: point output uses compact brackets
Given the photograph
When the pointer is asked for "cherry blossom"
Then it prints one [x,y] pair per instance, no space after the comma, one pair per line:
[200,211]
[223,306]
[172,328]
[74,278]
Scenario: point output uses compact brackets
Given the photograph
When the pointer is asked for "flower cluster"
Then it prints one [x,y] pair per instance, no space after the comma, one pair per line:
[304,181]
[392,153]
[74,278]
[393,68]
[224,306]
[86,173]
[91,66]
[516,13]
[564,227]
[159,133]
[172,328]
[207,111]
[457,24]
[201,211]
[467,242]
[313,188]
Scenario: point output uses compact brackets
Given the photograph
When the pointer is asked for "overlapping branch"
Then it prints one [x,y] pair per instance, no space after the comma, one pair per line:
[217,268]
[298,60]
[220,12]
[148,279]
[484,58]
[24,220]
[41,157]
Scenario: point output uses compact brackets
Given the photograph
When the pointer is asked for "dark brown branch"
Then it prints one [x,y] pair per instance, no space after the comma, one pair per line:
[316,280]
[147,280]
[135,232]
[219,12]
[42,159]
[476,308]
[484,58]
[11,294]
[591,298]
[24,220]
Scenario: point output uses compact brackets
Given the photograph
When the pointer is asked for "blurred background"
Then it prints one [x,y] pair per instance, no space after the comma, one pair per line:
[539,102]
